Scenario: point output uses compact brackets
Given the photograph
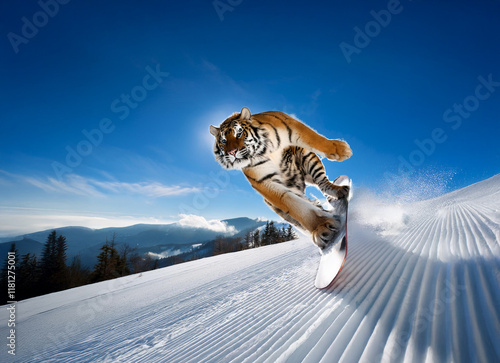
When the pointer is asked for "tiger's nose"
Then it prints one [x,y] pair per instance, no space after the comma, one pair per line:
[233,152]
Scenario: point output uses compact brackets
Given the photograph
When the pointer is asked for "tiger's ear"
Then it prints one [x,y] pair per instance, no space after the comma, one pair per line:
[214,130]
[245,114]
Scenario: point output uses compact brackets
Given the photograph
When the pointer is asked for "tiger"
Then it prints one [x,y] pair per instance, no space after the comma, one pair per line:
[278,155]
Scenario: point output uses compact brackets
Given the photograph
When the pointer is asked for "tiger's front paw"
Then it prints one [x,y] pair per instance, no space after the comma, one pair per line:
[339,150]
[325,232]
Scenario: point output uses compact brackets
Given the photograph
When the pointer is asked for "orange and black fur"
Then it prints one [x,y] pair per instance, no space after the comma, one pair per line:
[278,155]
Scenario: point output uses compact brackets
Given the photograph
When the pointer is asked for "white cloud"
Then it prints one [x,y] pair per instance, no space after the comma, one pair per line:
[17,221]
[78,185]
[74,184]
[191,220]
[151,189]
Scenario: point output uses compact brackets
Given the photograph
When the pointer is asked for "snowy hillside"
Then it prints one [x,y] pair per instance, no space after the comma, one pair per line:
[424,287]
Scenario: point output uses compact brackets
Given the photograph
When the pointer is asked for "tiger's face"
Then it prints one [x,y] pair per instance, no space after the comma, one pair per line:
[235,141]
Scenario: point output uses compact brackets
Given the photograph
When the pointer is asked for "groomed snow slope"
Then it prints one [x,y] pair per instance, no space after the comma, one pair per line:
[424,287]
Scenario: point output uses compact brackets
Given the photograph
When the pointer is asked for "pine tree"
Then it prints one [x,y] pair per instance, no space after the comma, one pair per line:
[105,266]
[47,265]
[77,274]
[218,248]
[248,240]
[236,244]
[28,277]
[53,265]
[136,262]
[270,234]
[256,238]
[282,234]
[109,263]
[60,276]
[273,233]
[121,268]
[264,240]
[290,234]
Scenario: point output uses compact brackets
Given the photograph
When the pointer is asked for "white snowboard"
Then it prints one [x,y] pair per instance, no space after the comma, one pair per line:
[334,255]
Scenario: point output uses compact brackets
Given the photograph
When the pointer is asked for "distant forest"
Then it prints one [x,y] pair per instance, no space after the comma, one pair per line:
[50,272]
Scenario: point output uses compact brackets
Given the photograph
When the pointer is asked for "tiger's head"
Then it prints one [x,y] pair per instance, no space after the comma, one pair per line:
[236,140]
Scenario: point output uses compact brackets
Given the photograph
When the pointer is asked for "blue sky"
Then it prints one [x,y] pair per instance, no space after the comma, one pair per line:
[106,105]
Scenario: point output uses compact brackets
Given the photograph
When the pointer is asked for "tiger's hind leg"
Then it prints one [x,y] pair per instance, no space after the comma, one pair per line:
[299,211]
[297,166]
[287,217]
[314,172]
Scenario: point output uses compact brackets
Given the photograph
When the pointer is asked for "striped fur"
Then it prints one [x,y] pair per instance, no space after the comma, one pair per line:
[279,156]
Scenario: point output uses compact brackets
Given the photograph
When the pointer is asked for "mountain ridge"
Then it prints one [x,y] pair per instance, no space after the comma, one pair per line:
[86,241]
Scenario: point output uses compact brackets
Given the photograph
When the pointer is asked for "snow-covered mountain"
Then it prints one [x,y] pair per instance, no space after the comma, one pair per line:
[421,283]
[157,238]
